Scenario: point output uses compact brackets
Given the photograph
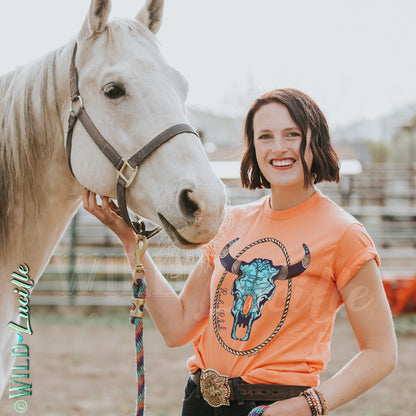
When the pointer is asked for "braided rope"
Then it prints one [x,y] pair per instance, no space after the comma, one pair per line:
[136,318]
[257,411]
[139,291]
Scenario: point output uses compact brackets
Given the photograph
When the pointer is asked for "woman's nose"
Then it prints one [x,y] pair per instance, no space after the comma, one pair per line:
[279,144]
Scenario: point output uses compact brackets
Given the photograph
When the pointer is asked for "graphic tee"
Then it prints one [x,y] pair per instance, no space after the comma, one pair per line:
[275,290]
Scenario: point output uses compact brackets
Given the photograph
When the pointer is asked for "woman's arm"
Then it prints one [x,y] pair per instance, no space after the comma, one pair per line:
[370,317]
[369,313]
[178,318]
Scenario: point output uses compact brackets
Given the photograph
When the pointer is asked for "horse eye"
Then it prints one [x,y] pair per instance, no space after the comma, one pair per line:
[113,90]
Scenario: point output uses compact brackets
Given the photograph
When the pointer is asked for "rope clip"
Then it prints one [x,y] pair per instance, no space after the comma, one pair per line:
[141,247]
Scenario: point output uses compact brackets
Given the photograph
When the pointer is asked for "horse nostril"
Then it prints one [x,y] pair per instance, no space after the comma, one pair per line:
[187,206]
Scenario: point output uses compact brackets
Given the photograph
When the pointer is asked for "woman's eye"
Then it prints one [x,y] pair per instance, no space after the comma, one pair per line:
[294,135]
[113,90]
[265,136]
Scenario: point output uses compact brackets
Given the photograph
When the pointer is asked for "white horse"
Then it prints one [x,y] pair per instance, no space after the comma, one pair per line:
[131,95]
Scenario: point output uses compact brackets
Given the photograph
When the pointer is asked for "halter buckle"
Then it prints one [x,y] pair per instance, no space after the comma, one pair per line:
[120,173]
[76,99]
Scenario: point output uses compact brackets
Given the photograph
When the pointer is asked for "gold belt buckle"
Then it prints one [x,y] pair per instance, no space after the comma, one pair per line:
[215,388]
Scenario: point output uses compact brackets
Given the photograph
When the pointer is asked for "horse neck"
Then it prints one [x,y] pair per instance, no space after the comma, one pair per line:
[39,192]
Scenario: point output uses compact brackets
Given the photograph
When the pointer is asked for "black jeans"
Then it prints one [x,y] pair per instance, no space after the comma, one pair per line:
[195,405]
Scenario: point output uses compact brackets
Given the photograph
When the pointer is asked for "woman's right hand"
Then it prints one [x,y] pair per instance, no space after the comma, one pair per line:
[107,213]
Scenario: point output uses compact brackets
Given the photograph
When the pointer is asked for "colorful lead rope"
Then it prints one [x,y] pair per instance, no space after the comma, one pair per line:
[136,318]
[257,411]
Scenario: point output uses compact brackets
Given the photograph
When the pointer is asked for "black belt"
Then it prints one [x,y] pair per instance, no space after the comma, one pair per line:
[219,390]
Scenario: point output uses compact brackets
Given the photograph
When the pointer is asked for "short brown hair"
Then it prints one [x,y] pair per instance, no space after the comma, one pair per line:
[307,116]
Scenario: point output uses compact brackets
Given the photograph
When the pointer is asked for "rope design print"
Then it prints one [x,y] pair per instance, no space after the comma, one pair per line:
[285,311]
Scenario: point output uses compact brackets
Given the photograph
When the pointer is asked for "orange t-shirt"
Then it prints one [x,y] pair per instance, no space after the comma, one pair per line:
[275,290]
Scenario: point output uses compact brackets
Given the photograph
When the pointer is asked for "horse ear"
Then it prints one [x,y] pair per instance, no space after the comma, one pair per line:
[151,15]
[97,17]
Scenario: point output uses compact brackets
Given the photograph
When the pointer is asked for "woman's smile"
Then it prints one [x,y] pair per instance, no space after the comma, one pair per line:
[282,163]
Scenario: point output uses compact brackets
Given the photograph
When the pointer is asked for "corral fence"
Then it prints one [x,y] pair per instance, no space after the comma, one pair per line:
[89,266]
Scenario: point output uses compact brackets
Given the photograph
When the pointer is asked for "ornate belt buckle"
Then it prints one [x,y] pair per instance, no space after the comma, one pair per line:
[215,388]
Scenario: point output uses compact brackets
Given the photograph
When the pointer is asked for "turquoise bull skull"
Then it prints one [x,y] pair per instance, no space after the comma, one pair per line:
[255,285]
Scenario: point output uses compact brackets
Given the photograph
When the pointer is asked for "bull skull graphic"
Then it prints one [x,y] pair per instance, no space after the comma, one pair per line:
[255,285]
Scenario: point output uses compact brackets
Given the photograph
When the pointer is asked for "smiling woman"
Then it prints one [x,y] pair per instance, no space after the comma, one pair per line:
[288,146]
[277,146]
[261,302]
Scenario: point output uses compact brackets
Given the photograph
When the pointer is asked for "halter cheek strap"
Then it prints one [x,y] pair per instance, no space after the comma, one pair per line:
[126,168]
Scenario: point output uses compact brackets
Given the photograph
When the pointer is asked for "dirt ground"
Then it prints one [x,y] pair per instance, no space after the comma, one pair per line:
[83,364]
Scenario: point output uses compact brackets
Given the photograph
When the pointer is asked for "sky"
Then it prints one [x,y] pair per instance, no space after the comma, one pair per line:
[355,58]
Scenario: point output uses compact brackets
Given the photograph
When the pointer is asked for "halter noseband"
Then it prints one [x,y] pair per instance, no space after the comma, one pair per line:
[126,168]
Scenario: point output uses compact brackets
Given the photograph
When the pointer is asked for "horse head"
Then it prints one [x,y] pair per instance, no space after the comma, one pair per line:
[131,95]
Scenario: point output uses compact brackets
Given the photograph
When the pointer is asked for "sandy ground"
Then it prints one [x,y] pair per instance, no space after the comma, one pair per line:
[84,365]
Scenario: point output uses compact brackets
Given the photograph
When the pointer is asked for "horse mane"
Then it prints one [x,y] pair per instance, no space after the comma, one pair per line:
[29,117]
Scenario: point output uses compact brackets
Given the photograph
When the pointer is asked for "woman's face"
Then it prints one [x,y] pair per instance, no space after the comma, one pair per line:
[277,142]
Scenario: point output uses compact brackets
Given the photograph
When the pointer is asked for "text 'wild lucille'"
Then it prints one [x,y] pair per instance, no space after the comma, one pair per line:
[23,283]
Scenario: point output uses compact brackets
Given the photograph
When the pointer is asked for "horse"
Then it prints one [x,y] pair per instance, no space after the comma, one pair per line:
[131,95]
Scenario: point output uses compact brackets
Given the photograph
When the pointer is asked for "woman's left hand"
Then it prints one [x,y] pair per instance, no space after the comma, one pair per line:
[296,406]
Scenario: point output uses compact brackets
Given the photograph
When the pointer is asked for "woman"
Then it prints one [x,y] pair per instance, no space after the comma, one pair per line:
[260,304]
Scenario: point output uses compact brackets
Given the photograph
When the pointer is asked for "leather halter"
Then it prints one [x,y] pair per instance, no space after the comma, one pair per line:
[126,168]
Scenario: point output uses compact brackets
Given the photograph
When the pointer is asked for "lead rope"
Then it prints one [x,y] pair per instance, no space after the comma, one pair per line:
[136,318]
